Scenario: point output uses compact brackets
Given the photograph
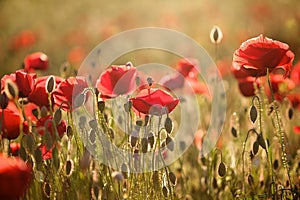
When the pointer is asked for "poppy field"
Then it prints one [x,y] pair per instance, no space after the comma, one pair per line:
[174,104]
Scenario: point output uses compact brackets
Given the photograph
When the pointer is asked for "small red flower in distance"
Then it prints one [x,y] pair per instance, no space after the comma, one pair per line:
[68,90]
[25,38]
[257,55]
[14,148]
[117,80]
[156,102]
[36,61]
[24,81]
[295,73]
[46,154]
[15,177]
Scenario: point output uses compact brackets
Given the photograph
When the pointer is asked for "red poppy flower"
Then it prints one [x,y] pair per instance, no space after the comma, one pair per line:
[246,85]
[36,61]
[117,80]
[10,119]
[156,102]
[39,95]
[258,54]
[295,73]
[14,173]
[68,89]
[188,67]
[24,81]
[14,148]
[46,124]
[46,154]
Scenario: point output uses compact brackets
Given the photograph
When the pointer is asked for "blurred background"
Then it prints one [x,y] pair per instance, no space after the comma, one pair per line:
[67,30]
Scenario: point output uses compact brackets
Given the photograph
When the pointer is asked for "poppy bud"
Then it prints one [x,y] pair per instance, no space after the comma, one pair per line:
[172,178]
[216,35]
[50,84]
[261,141]
[111,133]
[47,189]
[101,105]
[11,89]
[168,125]
[144,144]
[93,124]
[290,113]
[69,167]
[170,143]
[149,81]
[255,147]
[3,100]
[253,114]
[165,191]
[151,139]
[57,116]
[222,169]
[92,136]
[233,132]
[69,132]
[79,100]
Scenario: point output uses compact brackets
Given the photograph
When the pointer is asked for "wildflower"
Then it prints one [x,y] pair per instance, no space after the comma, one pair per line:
[117,80]
[257,55]
[67,89]
[155,102]
[39,95]
[24,81]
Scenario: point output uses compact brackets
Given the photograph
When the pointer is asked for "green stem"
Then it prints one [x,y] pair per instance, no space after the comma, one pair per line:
[280,132]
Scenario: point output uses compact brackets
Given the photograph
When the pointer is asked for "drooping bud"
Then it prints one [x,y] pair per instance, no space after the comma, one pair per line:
[168,125]
[222,169]
[253,114]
